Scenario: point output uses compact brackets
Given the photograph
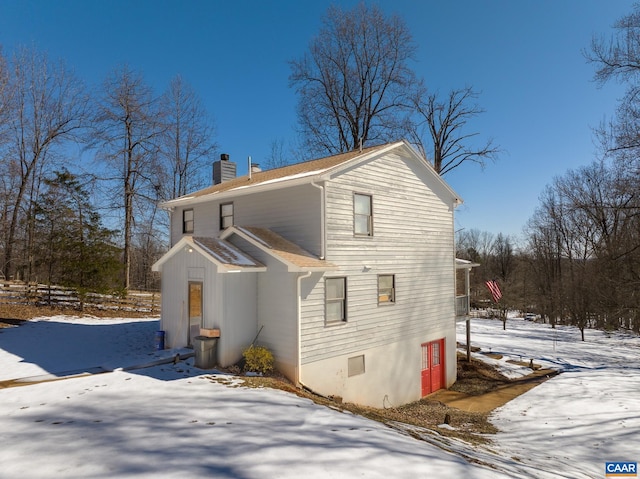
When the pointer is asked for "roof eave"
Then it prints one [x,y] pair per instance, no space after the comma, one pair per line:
[291,267]
[187,241]
[240,191]
[465,264]
[313,177]
[328,175]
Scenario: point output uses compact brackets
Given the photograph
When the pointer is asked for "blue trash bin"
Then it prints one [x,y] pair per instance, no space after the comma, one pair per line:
[159,340]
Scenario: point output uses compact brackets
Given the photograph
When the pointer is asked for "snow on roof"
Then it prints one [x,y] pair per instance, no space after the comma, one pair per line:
[226,253]
[283,178]
[283,248]
[463,263]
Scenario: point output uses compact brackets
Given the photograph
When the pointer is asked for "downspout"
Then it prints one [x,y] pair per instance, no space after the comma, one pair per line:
[323,243]
[299,351]
[323,253]
[170,210]
[468,293]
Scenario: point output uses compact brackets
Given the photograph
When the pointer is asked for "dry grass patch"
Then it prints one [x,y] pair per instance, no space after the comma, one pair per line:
[14,314]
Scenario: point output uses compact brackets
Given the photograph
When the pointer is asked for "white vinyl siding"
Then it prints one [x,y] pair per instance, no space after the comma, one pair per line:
[408,235]
[277,307]
[294,213]
[413,238]
[225,298]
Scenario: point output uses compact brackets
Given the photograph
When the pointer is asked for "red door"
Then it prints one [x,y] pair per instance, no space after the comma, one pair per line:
[426,370]
[432,374]
[437,371]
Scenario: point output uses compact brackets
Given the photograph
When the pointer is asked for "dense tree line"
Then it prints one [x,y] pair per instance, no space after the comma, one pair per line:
[91,222]
[580,261]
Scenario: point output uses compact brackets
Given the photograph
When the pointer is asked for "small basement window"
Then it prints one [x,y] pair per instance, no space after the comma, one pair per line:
[355,365]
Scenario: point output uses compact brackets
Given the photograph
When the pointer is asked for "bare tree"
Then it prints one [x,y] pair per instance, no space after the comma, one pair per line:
[619,56]
[474,245]
[128,125]
[282,154]
[586,248]
[5,98]
[504,258]
[187,141]
[354,84]
[611,199]
[6,177]
[48,106]
[441,130]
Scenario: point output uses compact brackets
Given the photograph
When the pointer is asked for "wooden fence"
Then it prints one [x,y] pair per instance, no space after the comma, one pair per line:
[19,293]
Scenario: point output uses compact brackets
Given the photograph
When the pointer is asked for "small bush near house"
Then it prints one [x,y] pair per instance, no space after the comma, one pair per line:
[258,359]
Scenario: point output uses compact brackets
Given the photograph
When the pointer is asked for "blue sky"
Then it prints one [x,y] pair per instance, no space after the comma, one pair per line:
[525,57]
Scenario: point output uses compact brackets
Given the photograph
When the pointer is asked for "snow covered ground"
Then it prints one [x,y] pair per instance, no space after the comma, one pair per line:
[178,421]
[65,343]
[577,421]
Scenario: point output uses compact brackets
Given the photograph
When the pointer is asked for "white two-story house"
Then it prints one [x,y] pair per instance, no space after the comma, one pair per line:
[344,267]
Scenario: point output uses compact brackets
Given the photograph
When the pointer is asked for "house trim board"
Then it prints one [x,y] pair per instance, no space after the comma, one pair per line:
[316,176]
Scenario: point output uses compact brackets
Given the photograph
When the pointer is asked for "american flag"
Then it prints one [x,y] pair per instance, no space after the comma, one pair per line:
[494,288]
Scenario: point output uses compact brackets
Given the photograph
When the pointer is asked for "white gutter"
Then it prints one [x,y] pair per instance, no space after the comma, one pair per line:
[323,233]
[299,352]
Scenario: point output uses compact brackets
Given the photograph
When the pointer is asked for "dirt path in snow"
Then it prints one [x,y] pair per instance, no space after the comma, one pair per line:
[489,401]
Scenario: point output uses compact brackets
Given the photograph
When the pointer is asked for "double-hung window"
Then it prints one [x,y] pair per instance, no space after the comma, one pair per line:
[335,299]
[226,215]
[386,289]
[187,221]
[362,215]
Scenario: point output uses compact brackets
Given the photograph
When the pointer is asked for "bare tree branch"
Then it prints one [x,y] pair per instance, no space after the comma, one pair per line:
[44,105]
[354,83]
[440,130]
[127,128]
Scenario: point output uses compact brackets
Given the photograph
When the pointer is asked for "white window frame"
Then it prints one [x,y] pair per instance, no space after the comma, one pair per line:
[360,215]
[333,300]
[185,221]
[224,218]
[387,295]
